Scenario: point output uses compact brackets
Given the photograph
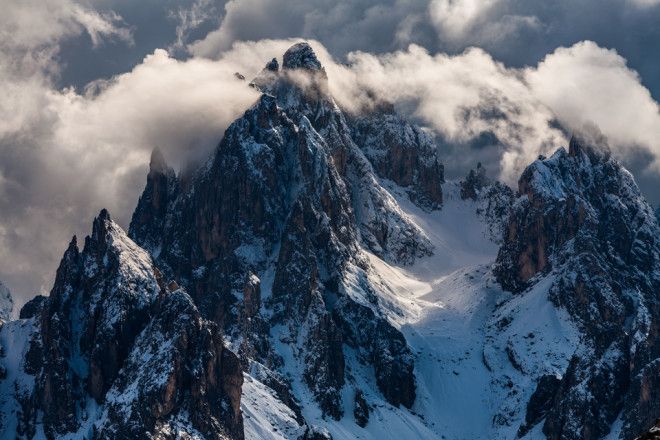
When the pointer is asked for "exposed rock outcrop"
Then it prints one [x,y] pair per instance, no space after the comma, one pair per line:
[289,196]
[401,152]
[494,200]
[33,307]
[652,434]
[361,409]
[540,402]
[113,334]
[179,380]
[149,216]
[6,303]
[581,219]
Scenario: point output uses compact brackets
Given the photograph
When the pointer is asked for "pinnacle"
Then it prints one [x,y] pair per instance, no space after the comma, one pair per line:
[594,145]
[157,162]
[301,56]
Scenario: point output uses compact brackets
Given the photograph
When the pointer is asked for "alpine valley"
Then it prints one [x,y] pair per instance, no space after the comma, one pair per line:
[318,278]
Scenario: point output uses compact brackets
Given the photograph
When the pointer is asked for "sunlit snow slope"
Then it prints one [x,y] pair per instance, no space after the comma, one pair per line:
[469,337]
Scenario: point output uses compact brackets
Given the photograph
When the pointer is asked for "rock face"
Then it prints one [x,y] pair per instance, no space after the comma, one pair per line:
[540,402]
[33,307]
[401,152]
[581,219]
[188,382]
[493,199]
[111,333]
[652,434]
[288,196]
[162,187]
[6,303]
[98,305]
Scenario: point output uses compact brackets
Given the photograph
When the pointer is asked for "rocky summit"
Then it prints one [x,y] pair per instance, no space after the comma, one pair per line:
[318,278]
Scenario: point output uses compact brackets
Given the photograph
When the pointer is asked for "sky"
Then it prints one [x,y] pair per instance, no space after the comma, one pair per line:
[91,87]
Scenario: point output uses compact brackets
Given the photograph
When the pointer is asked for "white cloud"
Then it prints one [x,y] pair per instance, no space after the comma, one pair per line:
[456,17]
[461,97]
[67,155]
[476,21]
[586,84]
[467,95]
[29,24]
[645,3]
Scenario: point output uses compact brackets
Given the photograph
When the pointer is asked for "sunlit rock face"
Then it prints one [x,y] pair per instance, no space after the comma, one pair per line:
[581,218]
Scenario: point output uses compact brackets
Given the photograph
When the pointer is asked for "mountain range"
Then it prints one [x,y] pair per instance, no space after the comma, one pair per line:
[319,278]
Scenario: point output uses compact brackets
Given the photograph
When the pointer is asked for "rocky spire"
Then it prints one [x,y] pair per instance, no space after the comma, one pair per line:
[273,65]
[301,56]
[582,222]
[474,182]
[99,227]
[157,162]
[593,145]
[110,331]
[162,187]
[6,303]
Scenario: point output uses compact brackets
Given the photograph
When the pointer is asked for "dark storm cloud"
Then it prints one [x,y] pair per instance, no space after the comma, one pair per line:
[517,32]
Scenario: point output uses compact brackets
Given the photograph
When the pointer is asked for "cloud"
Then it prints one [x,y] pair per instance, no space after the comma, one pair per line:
[461,97]
[516,32]
[341,25]
[586,84]
[190,19]
[645,3]
[529,111]
[455,17]
[65,155]
[476,21]
[29,24]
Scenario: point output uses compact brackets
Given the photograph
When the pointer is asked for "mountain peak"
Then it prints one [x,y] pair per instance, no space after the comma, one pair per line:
[273,65]
[99,226]
[594,146]
[157,162]
[301,56]
[104,215]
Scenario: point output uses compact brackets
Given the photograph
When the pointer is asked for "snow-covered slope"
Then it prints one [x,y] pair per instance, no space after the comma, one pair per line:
[468,337]
[452,312]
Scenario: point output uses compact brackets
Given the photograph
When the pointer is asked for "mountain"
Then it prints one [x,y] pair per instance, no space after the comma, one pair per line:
[268,234]
[583,224]
[106,355]
[318,278]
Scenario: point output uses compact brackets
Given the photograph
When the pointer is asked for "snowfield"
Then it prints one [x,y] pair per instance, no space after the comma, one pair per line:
[469,338]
